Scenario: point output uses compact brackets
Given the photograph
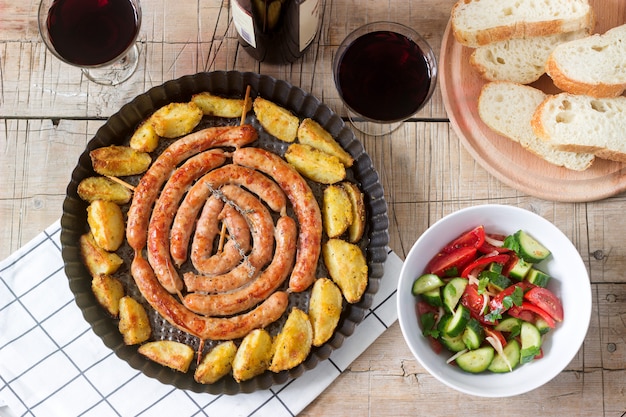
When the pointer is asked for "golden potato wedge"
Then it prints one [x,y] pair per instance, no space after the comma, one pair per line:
[347,266]
[134,323]
[145,138]
[102,188]
[176,119]
[108,291]
[119,161]
[175,355]
[325,307]
[357,227]
[336,210]
[313,134]
[293,344]
[106,223]
[97,260]
[253,355]
[213,105]
[216,364]
[315,164]
[276,120]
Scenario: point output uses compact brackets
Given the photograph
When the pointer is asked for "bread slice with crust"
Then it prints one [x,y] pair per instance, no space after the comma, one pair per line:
[480,22]
[580,123]
[594,66]
[519,60]
[507,108]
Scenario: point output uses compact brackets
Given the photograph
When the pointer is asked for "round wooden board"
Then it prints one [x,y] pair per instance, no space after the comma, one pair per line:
[507,160]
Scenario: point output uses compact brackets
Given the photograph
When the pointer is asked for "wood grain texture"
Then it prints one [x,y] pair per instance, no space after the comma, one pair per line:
[48,112]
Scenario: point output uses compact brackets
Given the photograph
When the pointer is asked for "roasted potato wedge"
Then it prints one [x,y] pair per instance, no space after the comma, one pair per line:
[212,105]
[216,364]
[293,344]
[347,267]
[97,260]
[101,188]
[313,134]
[108,291]
[315,164]
[134,324]
[175,355]
[253,356]
[325,307]
[357,227]
[106,223]
[337,212]
[145,138]
[119,161]
[176,119]
[276,120]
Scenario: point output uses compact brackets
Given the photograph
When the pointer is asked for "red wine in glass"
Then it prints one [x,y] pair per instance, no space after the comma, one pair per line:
[385,72]
[92,32]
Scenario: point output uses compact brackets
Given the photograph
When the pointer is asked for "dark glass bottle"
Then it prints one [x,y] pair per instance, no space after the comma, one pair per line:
[276,31]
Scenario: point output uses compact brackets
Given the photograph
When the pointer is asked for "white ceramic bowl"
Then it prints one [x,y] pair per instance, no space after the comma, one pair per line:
[570,282]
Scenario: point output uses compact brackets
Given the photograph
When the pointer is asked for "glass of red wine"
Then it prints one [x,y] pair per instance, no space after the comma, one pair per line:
[385,72]
[98,36]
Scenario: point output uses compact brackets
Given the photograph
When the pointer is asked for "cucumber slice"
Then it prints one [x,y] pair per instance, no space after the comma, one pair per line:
[529,249]
[512,353]
[519,269]
[537,277]
[425,283]
[457,323]
[531,342]
[542,326]
[433,297]
[476,361]
[509,325]
[453,344]
[473,335]
[452,292]
[495,267]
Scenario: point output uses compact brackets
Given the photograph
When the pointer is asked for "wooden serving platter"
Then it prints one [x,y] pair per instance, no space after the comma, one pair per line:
[503,158]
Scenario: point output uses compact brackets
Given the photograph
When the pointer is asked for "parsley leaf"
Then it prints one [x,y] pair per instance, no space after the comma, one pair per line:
[494,315]
[482,284]
[528,354]
[511,243]
[428,325]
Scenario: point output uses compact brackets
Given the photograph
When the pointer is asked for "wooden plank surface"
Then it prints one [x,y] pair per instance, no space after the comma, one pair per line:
[48,112]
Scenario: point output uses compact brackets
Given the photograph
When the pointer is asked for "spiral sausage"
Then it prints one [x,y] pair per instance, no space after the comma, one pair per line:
[262,231]
[270,279]
[305,206]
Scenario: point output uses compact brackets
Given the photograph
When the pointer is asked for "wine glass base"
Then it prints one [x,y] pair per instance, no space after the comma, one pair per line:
[117,72]
[372,128]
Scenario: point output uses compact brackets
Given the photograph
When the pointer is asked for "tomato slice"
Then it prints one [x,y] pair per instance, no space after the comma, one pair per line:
[474,238]
[422,307]
[484,261]
[458,259]
[474,302]
[522,314]
[546,301]
[526,306]
[487,247]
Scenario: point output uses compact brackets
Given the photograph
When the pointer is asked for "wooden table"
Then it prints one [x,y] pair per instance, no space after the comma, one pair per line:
[48,112]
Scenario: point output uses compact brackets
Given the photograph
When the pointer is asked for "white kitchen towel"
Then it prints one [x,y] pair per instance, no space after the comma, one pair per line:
[52,364]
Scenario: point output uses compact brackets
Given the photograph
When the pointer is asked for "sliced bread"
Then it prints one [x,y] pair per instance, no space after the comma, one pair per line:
[507,108]
[594,66]
[580,123]
[519,60]
[480,22]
